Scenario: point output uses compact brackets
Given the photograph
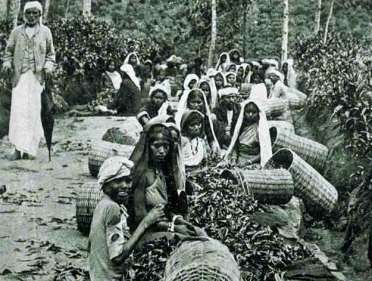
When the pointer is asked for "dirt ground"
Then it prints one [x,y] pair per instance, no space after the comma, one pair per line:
[38,235]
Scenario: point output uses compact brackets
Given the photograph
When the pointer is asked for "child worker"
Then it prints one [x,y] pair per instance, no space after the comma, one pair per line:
[110,242]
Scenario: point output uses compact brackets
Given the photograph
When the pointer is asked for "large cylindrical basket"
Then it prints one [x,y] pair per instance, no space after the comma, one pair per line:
[320,197]
[311,151]
[102,150]
[87,199]
[204,260]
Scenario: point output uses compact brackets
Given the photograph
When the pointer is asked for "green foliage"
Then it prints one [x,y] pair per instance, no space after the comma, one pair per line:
[338,85]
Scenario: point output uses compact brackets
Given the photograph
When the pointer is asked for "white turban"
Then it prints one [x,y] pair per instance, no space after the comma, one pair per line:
[228,91]
[272,70]
[33,4]
[113,168]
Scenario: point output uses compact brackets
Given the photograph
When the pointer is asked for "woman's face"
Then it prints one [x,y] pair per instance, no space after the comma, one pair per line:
[192,84]
[196,103]
[251,114]
[235,55]
[285,67]
[240,73]
[111,67]
[232,68]
[205,88]
[219,81]
[159,149]
[231,79]
[223,58]
[133,60]
[194,128]
[32,16]
[158,98]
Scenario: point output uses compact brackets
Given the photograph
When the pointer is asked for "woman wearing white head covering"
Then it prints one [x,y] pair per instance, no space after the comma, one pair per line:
[223,61]
[208,86]
[196,100]
[29,57]
[190,82]
[132,59]
[251,142]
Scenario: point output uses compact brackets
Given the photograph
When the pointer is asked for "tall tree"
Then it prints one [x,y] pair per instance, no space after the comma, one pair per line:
[212,47]
[46,9]
[328,21]
[17,8]
[317,16]
[284,52]
[87,8]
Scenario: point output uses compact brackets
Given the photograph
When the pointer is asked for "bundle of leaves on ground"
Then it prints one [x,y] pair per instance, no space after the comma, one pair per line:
[224,210]
[147,263]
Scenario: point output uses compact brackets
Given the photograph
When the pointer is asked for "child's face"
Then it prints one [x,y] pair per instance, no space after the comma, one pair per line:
[205,88]
[219,81]
[251,113]
[193,129]
[196,103]
[231,79]
[192,84]
[158,98]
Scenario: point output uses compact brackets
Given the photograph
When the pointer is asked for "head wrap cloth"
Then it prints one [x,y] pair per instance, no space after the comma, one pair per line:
[113,168]
[34,5]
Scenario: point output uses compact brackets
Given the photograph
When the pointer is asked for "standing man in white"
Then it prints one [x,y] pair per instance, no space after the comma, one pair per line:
[29,58]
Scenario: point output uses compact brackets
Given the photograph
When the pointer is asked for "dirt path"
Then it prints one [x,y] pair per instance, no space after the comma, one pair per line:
[37,213]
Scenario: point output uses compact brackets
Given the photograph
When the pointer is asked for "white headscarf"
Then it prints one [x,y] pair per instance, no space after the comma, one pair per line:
[263,133]
[182,107]
[34,5]
[212,88]
[188,79]
[163,87]
[129,70]
[126,61]
[219,66]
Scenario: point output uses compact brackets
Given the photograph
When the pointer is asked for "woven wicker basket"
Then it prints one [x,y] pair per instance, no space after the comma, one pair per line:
[319,196]
[102,150]
[312,152]
[296,99]
[282,124]
[275,107]
[87,200]
[118,135]
[267,186]
[207,260]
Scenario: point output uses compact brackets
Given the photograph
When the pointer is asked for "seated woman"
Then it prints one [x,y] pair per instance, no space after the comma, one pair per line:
[132,59]
[189,83]
[195,146]
[235,56]
[250,143]
[219,80]
[209,89]
[196,100]
[223,61]
[110,242]
[231,79]
[158,179]
[127,99]
[157,105]
[240,74]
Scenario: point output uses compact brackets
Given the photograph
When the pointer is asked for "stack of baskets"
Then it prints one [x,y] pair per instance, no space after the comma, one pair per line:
[312,152]
[88,197]
[275,107]
[319,196]
[102,150]
[202,260]
[118,135]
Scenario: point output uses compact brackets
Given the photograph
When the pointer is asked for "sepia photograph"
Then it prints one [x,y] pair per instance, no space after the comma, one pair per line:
[186,140]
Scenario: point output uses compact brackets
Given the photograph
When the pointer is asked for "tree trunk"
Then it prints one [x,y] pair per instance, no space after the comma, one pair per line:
[245,33]
[46,10]
[87,8]
[125,5]
[328,21]
[284,52]
[67,8]
[317,17]
[17,8]
[212,47]
[3,9]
